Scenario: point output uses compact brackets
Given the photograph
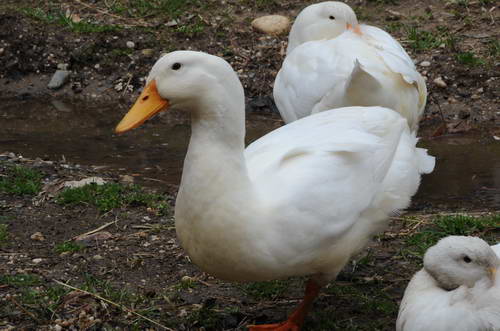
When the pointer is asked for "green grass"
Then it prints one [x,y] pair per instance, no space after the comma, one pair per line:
[192,29]
[20,180]
[393,27]
[494,47]
[60,18]
[420,40]
[366,297]
[111,195]
[20,280]
[147,8]
[68,246]
[469,59]
[443,226]
[35,296]
[3,234]
[369,299]
[266,290]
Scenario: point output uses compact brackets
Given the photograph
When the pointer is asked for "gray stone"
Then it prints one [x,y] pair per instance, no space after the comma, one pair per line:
[59,78]
[130,44]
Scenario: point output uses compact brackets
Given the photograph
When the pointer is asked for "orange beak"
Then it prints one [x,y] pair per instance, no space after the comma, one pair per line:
[492,273]
[147,105]
[356,29]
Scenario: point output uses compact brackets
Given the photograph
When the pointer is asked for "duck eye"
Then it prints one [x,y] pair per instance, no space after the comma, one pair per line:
[331,17]
[467,259]
[176,66]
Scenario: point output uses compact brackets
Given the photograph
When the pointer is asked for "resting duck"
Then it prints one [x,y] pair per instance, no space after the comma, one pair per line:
[332,61]
[456,290]
[299,201]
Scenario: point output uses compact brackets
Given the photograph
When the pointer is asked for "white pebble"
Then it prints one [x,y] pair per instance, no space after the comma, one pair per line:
[130,44]
[425,64]
[440,82]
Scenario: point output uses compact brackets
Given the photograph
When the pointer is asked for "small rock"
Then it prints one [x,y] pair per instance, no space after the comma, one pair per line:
[97,257]
[85,181]
[463,114]
[171,23]
[62,66]
[37,260]
[127,179]
[38,236]
[59,78]
[271,24]
[130,44]
[97,66]
[94,238]
[475,96]
[119,87]
[187,280]
[440,82]
[2,50]
[147,52]
[425,64]
[480,90]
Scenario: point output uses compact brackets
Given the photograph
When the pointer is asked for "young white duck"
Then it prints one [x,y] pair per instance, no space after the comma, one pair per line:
[456,290]
[299,201]
[332,61]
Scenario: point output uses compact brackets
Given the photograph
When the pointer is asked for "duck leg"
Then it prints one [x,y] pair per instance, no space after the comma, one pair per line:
[296,319]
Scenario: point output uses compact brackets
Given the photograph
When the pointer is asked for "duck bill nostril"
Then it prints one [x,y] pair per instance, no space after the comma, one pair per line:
[148,104]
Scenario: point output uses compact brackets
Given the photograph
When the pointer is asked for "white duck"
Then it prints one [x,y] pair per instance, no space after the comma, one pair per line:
[332,61]
[299,201]
[456,290]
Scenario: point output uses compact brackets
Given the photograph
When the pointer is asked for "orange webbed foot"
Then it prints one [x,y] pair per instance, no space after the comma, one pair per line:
[285,326]
[296,319]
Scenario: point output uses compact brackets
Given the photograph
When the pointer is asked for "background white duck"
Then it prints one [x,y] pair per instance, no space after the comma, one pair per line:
[456,290]
[332,61]
[299,201]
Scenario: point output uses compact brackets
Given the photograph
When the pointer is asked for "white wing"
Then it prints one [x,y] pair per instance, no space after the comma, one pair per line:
[396,58]
[334,172]
[427,307]
[349,71]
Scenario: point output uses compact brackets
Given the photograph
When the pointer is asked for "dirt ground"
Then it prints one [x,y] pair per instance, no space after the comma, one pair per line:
[135,275]
[459,40]
[132,268]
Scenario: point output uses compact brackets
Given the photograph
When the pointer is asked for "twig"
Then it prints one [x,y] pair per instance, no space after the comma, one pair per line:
[102,227]
[439,107]
[114,304]
[126,85]
[11,298]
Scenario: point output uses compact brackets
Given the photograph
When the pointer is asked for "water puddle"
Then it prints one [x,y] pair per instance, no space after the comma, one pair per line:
[467,174]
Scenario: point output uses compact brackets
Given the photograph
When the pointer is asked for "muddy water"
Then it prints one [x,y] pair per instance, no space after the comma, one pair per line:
[467,173]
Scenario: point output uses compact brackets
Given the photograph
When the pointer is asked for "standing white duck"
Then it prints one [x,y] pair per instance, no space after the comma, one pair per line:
[299,201]
[456,290]
[332,61]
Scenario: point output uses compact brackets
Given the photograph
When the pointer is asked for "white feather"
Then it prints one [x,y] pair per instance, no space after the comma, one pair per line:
[369,68]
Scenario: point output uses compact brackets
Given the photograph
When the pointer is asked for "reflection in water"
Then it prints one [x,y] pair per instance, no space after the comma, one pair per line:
[467,172]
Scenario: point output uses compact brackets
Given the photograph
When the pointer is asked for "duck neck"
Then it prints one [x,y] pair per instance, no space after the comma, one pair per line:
[215,158]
